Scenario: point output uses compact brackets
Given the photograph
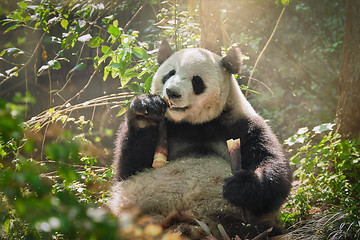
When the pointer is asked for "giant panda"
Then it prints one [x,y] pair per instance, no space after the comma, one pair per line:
[195,94]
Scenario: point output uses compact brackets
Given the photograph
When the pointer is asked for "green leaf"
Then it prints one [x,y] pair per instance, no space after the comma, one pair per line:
[107,70]
[121,112]
[68,173]
[114,65]
[64,23]
[123,67]
[52,64]
[147,84]
[107,19]
[135,87]
[56,65]
[104,57]
[127,76]
[284,2]
[80,66]
[95,42]
[114,30]
[12,28]
[140,53]
[114,72]
[11,70]
[22,5]
[104,49]
[116,23]
[323,127]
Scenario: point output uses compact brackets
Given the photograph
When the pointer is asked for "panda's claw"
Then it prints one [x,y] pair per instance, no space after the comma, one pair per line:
[148,106]
[244,190]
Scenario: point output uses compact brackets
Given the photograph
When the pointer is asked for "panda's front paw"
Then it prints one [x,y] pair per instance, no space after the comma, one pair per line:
[244,189]
[148,106]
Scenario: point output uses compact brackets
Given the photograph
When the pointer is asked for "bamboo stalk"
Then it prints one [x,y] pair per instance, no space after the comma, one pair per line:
[161,150]
[235,154]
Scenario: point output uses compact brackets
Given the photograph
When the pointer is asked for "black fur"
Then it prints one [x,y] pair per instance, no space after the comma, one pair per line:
[167,76]
[232,62]
[261,152]
[135,144]
[198,85]
[262,184]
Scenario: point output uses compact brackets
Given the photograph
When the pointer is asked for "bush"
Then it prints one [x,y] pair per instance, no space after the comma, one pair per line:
[38,200]
[327,182]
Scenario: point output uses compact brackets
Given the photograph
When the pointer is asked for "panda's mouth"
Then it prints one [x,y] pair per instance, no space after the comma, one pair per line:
[174,107]
[178,109]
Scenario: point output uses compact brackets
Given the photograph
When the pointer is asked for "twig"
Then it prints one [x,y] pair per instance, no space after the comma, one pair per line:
[262,83]
[44,118]
[28,61]
[133,17]
[84,88]
[262,51]
[69,76]
[50,88]
[43,141]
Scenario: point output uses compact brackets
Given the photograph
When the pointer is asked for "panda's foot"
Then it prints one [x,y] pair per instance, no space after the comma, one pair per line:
[244,189]
[146,110]
[183,223]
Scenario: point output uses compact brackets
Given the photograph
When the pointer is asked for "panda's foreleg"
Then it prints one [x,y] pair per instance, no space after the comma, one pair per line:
[264,181]
[135,144]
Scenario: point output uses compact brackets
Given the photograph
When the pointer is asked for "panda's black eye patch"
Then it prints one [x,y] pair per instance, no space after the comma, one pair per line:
[167,76]
[198,85]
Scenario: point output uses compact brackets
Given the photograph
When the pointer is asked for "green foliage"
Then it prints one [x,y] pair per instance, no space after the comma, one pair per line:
[68,30]
[51,185]
[179,23]
[53,200]
[283,2]
[11,119]
[328,175]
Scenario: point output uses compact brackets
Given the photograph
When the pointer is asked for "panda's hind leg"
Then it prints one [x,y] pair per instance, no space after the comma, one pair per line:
[185,224]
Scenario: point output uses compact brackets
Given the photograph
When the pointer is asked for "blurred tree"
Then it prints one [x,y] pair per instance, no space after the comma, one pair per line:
[210,25]
[348,114]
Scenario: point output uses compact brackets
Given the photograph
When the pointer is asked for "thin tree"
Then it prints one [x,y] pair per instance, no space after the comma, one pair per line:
[210,25]
[348,108]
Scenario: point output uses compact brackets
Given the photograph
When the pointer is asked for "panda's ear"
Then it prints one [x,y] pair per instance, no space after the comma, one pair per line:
[164,52]
[232,62]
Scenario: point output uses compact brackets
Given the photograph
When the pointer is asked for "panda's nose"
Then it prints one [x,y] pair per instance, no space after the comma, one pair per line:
[172,94]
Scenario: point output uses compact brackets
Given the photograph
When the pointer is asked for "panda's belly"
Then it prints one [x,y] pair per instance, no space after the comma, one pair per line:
[186,140]
[190,186]
[178,149]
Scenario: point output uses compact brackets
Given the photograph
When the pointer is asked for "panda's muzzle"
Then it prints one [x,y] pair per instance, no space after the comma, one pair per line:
[172,94]
[173,106]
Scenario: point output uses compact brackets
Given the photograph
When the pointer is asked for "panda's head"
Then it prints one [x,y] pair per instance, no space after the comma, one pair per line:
[196,82]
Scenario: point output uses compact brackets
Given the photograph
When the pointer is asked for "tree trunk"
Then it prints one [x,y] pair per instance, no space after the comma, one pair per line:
[348,108]
[210,25]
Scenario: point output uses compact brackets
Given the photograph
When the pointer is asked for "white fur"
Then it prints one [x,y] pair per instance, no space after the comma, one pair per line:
[189,185]
[221,88]
[237,103]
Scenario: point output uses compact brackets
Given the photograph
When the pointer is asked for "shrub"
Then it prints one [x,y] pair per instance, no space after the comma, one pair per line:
[327,181]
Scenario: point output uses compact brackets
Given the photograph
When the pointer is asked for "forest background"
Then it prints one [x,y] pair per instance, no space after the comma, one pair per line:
[70,68]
